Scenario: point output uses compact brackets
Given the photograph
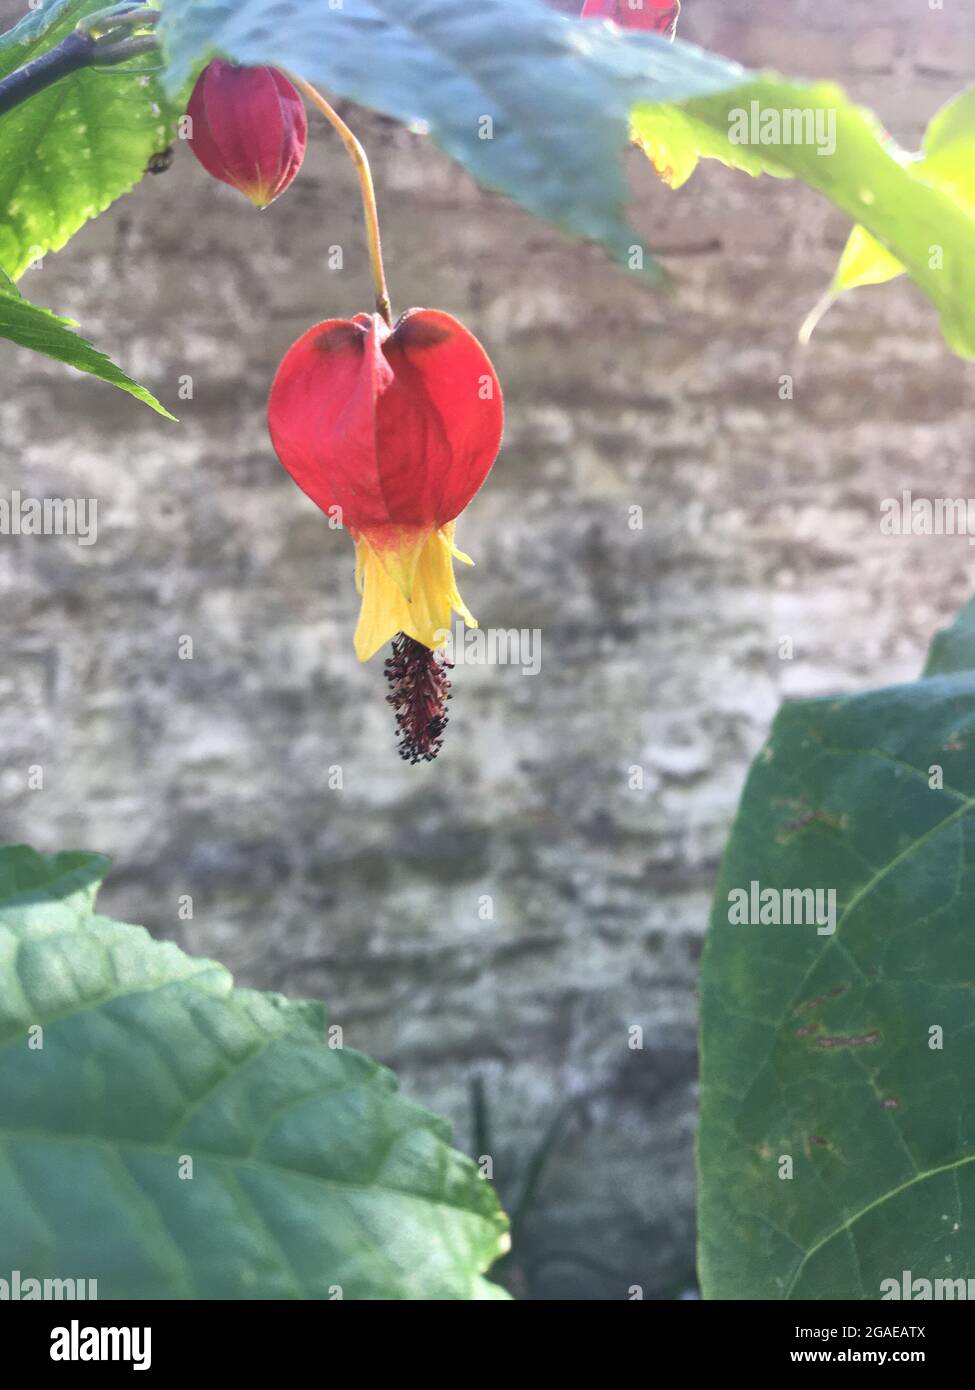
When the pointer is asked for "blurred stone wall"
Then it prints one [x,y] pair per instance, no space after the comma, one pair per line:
[660,647]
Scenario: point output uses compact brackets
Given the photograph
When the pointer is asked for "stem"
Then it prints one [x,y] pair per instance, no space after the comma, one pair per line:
[78,50]
[109,51]
[129,16]
[358,156]
[73,53]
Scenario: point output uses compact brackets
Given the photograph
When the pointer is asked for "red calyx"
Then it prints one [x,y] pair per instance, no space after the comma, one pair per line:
[657,16]
[397,428]
[249,128]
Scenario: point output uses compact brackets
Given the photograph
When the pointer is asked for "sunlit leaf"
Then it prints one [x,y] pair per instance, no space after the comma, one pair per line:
[947,163]
[69,151]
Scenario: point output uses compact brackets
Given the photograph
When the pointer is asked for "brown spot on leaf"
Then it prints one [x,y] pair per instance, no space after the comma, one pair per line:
[863,1040]
[807,816]
[821,999]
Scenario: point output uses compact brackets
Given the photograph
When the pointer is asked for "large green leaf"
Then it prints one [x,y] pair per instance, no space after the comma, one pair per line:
[533,103]
[71,150]
[311,1176]
[823,1048]
[904,207]
[32,327]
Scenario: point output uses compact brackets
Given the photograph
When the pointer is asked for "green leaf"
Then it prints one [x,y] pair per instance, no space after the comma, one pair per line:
[309,1172]
[820,1047]
[71,150]
[947,163]
[903,206]
[532,103]
[675,139]
[865,262]
[948,156]
[32,327]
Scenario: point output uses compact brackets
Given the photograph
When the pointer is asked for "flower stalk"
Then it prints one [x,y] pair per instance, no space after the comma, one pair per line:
[370,211]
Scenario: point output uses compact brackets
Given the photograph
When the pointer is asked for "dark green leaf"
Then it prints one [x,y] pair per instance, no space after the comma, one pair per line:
[825,1048]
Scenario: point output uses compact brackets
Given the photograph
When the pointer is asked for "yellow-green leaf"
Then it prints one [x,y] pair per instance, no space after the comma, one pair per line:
[68,152]
[947,163]
[913,214]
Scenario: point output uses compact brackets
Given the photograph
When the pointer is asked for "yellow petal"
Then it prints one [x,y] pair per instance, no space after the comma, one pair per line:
[398,549]
[447,532]
[385,611]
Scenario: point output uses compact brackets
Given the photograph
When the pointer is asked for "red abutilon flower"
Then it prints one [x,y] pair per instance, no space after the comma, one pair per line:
[249,128]
[659,16]
[392,432]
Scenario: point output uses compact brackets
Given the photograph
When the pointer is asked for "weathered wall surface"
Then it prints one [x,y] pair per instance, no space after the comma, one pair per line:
[660,647]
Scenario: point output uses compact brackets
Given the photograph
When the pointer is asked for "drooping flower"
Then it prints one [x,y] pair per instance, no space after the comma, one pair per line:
[658,16]
[249,128]
[391,432]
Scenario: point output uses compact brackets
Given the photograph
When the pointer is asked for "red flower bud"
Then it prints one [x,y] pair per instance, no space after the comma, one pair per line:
[249,129]
[659,16]
[391,432]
